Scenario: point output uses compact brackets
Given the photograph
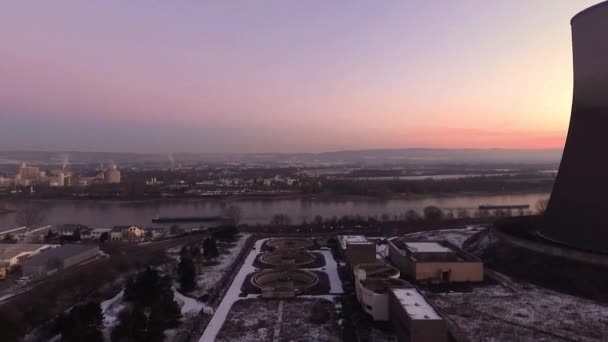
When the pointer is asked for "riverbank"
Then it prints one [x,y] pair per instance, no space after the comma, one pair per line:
[100,214]
[6,211]
[321,197]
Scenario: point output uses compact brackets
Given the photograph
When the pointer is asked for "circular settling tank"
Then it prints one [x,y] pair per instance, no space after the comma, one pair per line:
[287,258]
[297,280]
[281,244]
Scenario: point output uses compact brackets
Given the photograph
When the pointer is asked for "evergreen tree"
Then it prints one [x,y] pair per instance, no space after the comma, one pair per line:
[132,325]
[11,326]
[184,252]
[153,308]
[82,323]
[210,248]
[156,326]
[186,274]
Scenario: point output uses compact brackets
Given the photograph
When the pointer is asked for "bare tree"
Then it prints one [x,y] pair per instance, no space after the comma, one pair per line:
[29,215]
[412,215]
[462,213]
[541,206]
[318,220]
[233,213]
[433,213]
[280,220]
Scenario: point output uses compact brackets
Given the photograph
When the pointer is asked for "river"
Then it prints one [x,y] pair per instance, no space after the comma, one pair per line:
[110,213]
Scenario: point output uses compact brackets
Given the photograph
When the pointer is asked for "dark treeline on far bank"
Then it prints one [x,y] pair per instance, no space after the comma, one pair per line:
[136,189]
[430,186]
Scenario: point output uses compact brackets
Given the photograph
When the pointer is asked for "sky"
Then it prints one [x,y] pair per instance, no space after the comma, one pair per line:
[285,76]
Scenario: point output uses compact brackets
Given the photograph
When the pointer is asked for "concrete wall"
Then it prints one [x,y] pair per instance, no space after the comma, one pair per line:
[548,249]
[414,330]
[463,271]
[575,215]
[402,262]
[458,271]
[374,304]
[360,254]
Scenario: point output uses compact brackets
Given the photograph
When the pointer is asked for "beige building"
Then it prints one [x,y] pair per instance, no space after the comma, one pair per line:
[356,249]
[3,270]
[127,233]
[434,261]
[414,319]
[112,176]
[372,282]
[27,174]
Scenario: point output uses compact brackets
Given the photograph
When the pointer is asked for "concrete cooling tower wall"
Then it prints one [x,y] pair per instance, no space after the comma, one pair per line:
[577,214]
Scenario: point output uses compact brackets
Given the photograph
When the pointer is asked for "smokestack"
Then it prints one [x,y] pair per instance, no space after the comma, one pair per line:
[65,161]
[172,160]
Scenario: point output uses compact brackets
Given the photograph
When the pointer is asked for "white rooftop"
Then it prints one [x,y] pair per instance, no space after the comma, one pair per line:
[426,247]
[351,239]
[414,304]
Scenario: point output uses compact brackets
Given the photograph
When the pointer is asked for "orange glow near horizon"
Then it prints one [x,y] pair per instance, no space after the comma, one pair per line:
[212,77]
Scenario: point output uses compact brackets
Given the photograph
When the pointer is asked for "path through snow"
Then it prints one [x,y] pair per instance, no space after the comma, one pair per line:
[232,295]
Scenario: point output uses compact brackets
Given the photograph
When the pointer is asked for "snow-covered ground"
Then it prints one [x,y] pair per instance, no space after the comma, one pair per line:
[499,312]
[232,295]
[110,309]
[455,236]
[281,321]
[210,275]
[331,268]
[382,251]
[190,307]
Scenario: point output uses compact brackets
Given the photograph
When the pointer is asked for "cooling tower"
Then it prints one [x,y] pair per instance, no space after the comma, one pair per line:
[577,214]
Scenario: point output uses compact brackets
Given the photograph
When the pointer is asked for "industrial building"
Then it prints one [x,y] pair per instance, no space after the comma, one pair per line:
[414,319]
[434,261]
[69,230]
[112,175]
[356,249]
[27,175]
[577,207]
[58,258]
[15,254]
[372,282]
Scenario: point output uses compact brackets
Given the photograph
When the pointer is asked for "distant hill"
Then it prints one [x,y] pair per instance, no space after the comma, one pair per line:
[379,156]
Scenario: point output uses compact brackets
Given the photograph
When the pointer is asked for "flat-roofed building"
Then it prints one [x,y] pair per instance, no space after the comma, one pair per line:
[356,249]
[434,261]
[34,236]
[414,318]
[97,232]
[58,258]
[15,254]
[71,229]
[12,233]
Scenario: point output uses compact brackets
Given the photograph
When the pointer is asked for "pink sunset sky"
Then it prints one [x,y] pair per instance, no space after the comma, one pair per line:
[285,76]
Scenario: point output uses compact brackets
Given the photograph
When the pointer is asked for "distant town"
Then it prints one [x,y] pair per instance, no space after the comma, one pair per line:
[59,177]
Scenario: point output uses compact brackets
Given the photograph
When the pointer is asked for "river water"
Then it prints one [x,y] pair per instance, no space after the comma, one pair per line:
[110,213]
